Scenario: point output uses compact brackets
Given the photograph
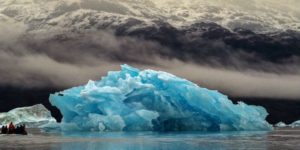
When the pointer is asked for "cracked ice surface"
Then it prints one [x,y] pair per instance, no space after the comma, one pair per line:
[33,116]
[134,100]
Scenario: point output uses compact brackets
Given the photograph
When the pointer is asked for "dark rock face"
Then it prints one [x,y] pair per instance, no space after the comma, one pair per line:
[203,41]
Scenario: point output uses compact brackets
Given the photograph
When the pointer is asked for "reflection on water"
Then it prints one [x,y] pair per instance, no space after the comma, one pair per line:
[278,139]
[168,141]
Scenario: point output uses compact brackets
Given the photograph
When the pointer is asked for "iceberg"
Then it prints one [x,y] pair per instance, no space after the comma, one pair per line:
[295,124]
[32,117]
[280,125]
[148,100]
[292,125]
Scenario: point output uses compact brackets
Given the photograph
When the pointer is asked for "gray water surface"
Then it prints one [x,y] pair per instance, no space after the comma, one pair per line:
[279,139]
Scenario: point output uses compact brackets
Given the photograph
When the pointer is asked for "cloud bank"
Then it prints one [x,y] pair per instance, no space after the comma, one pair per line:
[56,60]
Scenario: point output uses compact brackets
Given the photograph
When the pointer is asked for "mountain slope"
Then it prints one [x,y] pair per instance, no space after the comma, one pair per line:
[198,31]
[255,15]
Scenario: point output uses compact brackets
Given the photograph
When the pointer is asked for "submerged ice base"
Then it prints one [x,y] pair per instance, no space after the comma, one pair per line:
[134,100]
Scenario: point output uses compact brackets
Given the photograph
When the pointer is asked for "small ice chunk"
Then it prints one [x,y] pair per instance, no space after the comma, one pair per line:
[33,116]
[295,124]
[280,125]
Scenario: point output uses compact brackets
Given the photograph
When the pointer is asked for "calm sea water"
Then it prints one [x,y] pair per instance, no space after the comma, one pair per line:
[279,139]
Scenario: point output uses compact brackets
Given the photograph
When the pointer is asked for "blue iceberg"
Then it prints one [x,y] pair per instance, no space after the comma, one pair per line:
[134,100]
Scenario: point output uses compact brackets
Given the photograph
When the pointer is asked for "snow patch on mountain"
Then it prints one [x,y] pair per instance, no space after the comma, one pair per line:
[255,15]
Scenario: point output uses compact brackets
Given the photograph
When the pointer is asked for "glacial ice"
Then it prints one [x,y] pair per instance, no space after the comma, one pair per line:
[295,124]
[292,125]
[33,116]
[280,125]
[134,100]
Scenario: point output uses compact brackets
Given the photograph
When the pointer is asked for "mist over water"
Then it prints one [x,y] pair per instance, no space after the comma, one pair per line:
[42,62]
